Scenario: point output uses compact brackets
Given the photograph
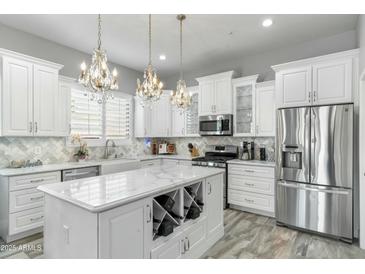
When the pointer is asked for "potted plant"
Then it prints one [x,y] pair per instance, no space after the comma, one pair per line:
[83,152]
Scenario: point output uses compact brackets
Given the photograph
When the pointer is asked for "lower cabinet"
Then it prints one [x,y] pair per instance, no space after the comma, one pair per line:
[214,199]
[251,188]
[124,231]
[174,248]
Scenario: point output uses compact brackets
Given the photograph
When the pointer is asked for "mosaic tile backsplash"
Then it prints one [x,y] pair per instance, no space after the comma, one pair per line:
[55,150]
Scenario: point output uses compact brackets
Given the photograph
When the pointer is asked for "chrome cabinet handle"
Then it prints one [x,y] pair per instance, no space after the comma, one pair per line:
[249,170]
[36,198]
[37,181]
[247,184]
[36,219]
[184,247]
[188,243]
[30,127]
[309,97]
[249,200]
[36,127]
[149,214]
[314,96]
[69,128]
[210,188]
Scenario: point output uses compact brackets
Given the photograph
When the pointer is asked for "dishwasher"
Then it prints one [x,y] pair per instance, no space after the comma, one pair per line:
[78,173]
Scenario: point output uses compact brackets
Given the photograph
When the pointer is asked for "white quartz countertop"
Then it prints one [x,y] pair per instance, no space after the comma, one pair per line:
[71,165]
[252,163]
[100,193]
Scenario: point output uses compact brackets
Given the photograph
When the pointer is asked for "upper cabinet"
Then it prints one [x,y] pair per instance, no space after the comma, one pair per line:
[30,98]
[64,100]
[254,107]
[265,109]
[317,81]
[215,94]
[244,105]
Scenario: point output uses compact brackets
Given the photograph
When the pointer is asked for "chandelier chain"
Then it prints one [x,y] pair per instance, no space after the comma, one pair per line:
[181,51]
[149,40]
[99,31]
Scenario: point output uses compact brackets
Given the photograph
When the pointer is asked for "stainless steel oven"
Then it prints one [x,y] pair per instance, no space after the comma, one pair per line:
[220,125]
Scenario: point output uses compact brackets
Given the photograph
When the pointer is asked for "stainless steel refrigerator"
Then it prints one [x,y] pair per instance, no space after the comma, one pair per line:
[314,169]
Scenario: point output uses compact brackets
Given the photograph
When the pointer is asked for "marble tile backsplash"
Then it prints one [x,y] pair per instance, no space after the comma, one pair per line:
[55,150]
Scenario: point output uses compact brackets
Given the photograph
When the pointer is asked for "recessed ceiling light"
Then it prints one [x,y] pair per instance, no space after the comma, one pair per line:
[162,57]
[267,23]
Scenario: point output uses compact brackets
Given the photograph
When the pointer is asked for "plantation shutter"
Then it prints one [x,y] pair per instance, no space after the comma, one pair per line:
[118,118]
[86,115]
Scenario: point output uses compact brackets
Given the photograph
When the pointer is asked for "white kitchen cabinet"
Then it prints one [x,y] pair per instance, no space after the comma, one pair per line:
[173,249]
[215,94]
[29,96]
[45,100]
[192,114]
[161,116]
[265,109]
[321,80]
[177,122]
[214,200]
[332,82]
[17,104]
[142,119]
[124,232]
[244,105]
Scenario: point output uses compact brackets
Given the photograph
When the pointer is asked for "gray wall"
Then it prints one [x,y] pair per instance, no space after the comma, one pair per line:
[361,40]
[261,63]
[29,44]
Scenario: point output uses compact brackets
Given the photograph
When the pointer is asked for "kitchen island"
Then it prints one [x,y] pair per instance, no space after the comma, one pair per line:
[121,215]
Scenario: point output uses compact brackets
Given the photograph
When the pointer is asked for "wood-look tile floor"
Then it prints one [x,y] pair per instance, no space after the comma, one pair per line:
[251,236]
[247,236]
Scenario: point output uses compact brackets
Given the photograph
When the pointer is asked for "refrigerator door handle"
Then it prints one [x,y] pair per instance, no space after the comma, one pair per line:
[342,191]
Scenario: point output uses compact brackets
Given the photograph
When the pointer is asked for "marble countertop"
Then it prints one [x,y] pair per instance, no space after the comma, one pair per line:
[71,165]
[100,193]
[252,163]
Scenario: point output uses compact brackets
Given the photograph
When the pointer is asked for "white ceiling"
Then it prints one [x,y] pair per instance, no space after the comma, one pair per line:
[207,38]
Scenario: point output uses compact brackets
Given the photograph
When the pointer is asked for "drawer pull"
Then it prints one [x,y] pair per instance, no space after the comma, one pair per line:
[37,181]
[249,170]
[36,219]
[36,198]
[249,201]
[250,185]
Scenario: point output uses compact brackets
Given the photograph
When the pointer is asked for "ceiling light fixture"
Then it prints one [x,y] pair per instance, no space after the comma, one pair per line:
[180,97]
[151,88]
[267,23]
[163,57]
[97,77]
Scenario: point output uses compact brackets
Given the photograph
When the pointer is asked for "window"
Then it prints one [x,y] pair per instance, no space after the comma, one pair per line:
[98,122]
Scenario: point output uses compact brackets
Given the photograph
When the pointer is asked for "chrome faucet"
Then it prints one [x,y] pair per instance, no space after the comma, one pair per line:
[106,150]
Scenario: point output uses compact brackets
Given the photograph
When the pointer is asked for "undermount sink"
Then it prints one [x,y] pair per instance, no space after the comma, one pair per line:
[115,165]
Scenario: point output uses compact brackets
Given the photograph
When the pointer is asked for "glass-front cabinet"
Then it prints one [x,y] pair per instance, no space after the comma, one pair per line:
[192,115]
[244,105]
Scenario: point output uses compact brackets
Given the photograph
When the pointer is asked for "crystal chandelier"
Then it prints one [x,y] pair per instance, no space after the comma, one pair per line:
[180,97]
[151,88]
[97,78]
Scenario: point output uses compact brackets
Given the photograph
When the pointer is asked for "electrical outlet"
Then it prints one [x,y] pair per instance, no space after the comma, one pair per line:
[37,150]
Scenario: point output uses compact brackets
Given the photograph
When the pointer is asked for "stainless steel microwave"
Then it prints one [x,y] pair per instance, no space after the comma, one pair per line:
[216,125]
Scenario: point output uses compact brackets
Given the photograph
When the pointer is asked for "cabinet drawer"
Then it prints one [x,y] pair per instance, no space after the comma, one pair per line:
[33,180]
[255,171]
[251,184]
[251,200]
[25,220]
[25,199]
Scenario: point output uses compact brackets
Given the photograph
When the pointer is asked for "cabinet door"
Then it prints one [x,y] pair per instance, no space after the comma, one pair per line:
[244,105]
[223,96]
[214,194]
[45,101]
[161,117]
[192,114]
[139,119]
[294,87]
[125,232]
[64,109]
[206,98]
[195,237]
[17,98]
[173,249]
[177,122]
[265,111]
[332,82]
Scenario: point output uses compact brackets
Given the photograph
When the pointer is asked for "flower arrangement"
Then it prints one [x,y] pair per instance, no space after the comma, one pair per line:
[83,151]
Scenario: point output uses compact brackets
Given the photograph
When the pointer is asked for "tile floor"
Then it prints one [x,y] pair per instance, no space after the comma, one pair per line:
[247,236]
